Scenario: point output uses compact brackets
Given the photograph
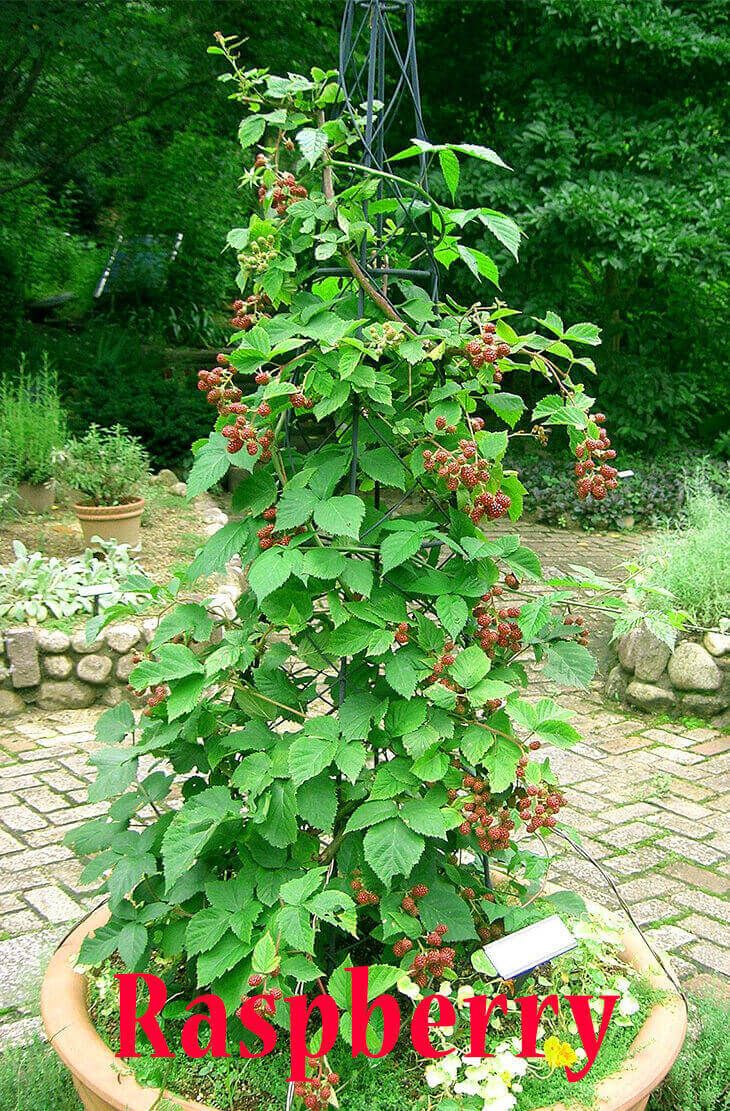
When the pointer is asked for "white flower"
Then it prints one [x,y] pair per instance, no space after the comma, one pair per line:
[436,1076]
[444,988]
[407,987]
[622,985]
[466,991]
[628,1005]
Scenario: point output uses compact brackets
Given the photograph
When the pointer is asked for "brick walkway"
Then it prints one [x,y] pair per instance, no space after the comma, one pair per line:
[648,800]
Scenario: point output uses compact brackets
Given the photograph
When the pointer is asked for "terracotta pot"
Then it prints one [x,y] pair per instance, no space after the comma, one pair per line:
[111,522]
[103,1083]
[36,497]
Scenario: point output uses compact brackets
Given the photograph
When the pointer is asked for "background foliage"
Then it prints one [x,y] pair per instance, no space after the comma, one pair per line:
[613,115]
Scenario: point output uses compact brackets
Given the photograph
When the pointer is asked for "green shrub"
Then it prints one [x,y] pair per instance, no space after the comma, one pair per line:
[32,423]
[692,561]
[700,1079]
[33,1076]
[106,465]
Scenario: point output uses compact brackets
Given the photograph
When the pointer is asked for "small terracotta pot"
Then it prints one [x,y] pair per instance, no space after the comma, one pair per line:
[36,497]
[105,1084]
[111,522]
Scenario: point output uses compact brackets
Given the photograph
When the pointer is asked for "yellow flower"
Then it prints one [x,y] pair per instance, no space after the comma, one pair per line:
[559,1053]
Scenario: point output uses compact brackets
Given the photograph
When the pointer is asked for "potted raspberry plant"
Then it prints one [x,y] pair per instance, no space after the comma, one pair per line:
[354,756]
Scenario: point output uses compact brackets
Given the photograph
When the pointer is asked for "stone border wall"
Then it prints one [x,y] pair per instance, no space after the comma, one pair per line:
[693,679]
[51,670]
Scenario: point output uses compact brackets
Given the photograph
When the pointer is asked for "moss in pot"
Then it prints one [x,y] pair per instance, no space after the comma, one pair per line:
[105,467]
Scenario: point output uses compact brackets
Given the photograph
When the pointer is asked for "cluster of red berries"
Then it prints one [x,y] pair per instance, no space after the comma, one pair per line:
[431,961]
[460,468]
[363,897]
[298,400]
[401,633]
[408,902]
[244,431]
[155,697]
[579,623]
[446,659]
[593,472]
[217,384]
[487,349]
[497,629]
[493,506]
[316,1090]
[246,313]
[490,833]
[286,190]
[539,806]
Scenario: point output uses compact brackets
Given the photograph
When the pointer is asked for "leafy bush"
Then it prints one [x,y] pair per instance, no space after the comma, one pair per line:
[106,465]
[654,495]
[34,1076]
[36,587]
[700,1078]
[692,562]
[32,423]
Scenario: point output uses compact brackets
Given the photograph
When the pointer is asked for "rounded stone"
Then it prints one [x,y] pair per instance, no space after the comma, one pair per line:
[124,667]
[149,628]
[649,697]
[112,696]
[705,705]
[222,607]
[692,668]
[53,641]
[651,655]
[94,669]
[58,667]
[627,649]
[717,644]
[166,477]
[121,638]
[11,704]
[67,695]
[78,643]
[616,683]
[179,489]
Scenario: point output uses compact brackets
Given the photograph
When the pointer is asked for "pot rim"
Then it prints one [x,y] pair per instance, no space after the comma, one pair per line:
[76,1041]
[131,508]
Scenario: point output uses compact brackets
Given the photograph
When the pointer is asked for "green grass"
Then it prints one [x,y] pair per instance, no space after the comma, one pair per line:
[693,562]
[700,1079]
[32,1078]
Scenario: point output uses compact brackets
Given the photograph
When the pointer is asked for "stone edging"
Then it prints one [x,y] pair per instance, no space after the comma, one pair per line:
[51,670]
[693,679]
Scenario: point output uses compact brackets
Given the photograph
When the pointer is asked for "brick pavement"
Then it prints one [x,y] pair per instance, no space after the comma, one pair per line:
[648,798]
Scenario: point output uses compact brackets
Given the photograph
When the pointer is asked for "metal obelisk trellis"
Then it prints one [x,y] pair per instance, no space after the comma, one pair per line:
[378,72]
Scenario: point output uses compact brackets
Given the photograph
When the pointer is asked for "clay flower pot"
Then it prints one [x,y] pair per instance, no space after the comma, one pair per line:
[36,497]
[111,522]
[104,1084]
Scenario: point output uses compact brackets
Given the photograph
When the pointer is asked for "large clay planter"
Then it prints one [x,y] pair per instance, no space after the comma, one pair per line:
[111,522]
[104,1084]
[36,497]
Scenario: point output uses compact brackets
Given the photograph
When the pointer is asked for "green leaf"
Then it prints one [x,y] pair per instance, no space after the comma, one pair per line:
[471,665]
[312,143]
[443,904]
[216,551]
[115,724]
[190,617]
[192,828]
[450,169]
[398,547]
[303,887]
[382,465]
[370,814]
[295,507]
[405,716]
[265,957]
[308,756]
[295,926]
[453,613]
[251,130]
[584,333]
[254,492]
[525,563]
[131,944]
[500,760]
[205,929]
[211,463]
[269,571]
[317,802]
[424,816]
[174,661]
[509,407]
[341,516]
[184,695]
[280,826]
[569,664]
[402,673]
[392,849]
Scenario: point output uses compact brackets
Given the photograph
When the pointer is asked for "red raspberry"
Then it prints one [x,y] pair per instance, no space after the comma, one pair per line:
[255,980]
[419,891]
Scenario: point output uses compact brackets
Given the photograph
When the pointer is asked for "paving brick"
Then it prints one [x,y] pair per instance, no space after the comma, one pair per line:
[54,904]
[20,818]
[718,987]
[632,833]
[44,799]
[35,858]
[711,956]
[666,820]
[78,813]
[699,877]
[647,887]
[700,901]
[617,745]
[629,813]
[640,860]
[708,928]
[61,780]
[20,922]
[682,806]
[713,747]
[669,937]
[698,851]
[652,910]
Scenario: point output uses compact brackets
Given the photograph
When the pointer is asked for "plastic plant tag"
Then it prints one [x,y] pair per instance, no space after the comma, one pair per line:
[525,949]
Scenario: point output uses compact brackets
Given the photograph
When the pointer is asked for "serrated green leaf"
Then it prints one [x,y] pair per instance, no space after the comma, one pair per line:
[341,516]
